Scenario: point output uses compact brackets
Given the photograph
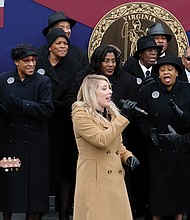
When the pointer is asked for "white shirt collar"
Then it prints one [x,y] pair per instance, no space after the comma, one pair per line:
[144,69]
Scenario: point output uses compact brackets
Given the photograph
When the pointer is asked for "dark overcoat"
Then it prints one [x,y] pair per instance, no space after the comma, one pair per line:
[169,170]
[24,134]
[63,150]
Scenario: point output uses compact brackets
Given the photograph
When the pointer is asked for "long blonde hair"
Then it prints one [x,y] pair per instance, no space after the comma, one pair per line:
[87,96]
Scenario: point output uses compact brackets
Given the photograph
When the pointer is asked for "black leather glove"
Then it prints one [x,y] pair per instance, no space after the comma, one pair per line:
[147,79]
[17,101]
[154,136]
[173,137]
[176,109]
[127,109]
[133,162]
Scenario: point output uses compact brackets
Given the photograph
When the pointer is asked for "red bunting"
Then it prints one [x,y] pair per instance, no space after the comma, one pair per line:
[1,17]
[90,12]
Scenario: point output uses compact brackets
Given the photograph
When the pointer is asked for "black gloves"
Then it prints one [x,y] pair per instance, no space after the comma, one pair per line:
[133,162]
[127,109]
[173,137]
[17,101]
[147,80]
[154,136]
[176,109]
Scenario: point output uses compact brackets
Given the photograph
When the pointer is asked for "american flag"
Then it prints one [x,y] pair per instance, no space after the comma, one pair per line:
[2,2]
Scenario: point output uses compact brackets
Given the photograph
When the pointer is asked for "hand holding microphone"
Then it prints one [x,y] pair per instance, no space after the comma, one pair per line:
[123,102]
[127,109]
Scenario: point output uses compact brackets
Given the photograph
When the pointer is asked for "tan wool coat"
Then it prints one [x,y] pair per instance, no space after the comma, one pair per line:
[100,192]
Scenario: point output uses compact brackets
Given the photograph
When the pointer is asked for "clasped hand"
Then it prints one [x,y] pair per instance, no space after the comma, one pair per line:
[173,137]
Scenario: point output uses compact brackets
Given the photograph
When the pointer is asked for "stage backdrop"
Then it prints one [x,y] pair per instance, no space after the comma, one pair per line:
[22,21]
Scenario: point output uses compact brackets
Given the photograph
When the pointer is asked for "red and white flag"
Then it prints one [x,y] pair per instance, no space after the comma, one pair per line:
[2,2]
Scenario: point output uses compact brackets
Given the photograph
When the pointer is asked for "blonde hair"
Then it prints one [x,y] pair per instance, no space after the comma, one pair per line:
[87,95]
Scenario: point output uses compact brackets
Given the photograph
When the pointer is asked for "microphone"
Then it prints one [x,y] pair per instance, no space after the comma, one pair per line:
[122,101]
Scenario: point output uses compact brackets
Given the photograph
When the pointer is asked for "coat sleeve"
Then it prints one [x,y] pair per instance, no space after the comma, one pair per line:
[124,153]
[85,126]
[43,108]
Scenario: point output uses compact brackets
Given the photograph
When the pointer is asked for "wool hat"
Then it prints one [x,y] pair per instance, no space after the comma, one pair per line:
[53,34]
[144,43]
[22,51]
[55,18]
[171,60]
[158,29]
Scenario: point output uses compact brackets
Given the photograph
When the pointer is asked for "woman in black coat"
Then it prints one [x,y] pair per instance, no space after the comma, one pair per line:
[167,103]
[61,69]
[27,103]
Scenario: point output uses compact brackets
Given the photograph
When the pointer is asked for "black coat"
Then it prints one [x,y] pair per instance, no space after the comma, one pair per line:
[63,150]
[24,134]
[169,170]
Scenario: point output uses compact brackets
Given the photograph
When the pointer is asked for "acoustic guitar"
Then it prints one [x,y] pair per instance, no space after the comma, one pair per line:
[10,163]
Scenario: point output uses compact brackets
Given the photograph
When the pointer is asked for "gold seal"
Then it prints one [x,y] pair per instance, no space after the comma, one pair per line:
[125,24]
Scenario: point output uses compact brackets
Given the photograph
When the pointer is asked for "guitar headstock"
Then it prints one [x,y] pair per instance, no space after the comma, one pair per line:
[10,163]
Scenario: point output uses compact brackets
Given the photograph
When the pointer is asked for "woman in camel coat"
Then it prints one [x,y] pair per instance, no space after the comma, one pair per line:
[100,192]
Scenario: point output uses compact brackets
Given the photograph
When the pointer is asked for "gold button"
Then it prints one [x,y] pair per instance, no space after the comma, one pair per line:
[109,171]
[120,171]
[117,152]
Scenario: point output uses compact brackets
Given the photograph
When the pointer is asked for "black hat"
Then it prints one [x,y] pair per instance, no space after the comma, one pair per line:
[169,59]
[158,29]
[144,43]
[55,18]
[22,51]
[54,33]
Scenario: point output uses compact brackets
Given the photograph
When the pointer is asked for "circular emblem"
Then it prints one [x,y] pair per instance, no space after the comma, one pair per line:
[139,81]
[155,94]
[10,80]
[41,71]
[125,24]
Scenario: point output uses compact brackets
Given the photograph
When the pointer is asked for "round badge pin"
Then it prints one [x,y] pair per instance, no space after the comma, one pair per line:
[139,81]
[41,71]
[10,80]
[155,94]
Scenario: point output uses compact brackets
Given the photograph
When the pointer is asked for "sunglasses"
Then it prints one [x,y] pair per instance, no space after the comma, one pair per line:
[187,58]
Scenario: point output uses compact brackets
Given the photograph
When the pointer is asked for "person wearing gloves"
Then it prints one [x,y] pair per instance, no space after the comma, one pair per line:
[179,142]
[100,192]
[26,100]
[167,103]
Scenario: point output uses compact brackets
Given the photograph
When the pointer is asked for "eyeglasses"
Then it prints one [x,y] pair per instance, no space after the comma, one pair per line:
[187,58]
[151,50]
[27,60]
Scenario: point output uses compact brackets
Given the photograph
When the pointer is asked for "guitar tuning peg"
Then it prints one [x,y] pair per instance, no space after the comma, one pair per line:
[16,169]
[9,158]
[6,170]
[11,169]
[4,158]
